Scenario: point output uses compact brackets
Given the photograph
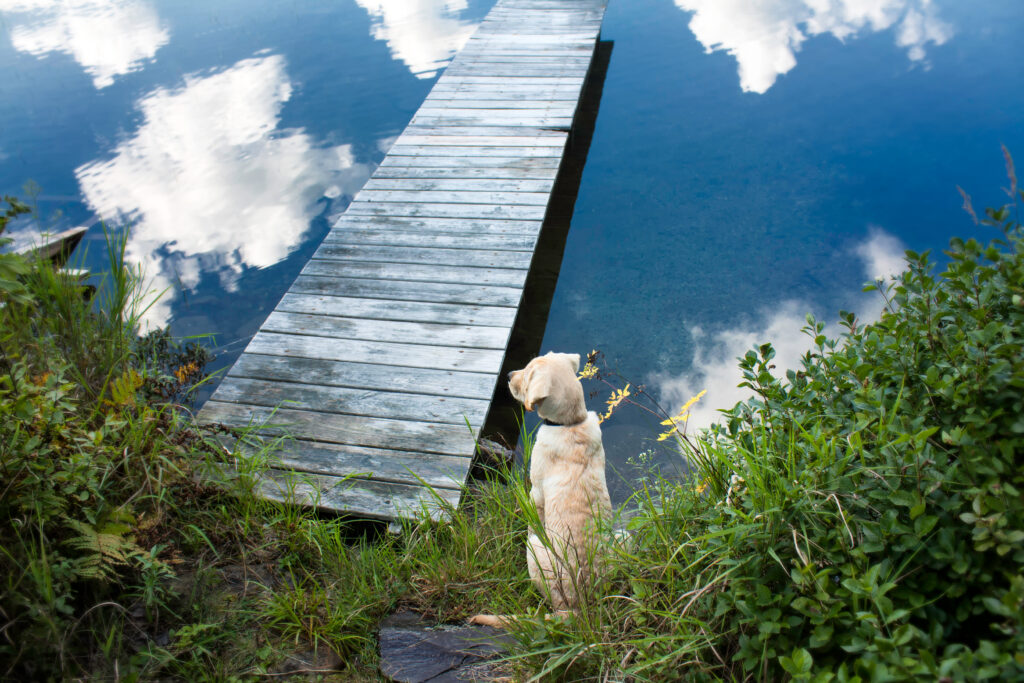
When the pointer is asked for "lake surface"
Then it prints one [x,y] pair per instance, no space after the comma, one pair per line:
[751,162]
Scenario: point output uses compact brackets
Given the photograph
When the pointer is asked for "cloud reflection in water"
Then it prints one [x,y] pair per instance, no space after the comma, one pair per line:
[765,35]
[424,34]
[715,359]
[108,38]
[211,184]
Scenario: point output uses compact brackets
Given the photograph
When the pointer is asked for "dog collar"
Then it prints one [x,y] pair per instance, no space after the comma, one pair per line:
[549,423]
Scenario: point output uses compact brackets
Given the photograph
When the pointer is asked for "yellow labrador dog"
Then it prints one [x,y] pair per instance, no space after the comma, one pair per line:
[567,478]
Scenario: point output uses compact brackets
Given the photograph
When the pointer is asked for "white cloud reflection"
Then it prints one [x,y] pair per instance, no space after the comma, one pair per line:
[715,364]
[108,38]
[424,34]
[211,184]
[765,35]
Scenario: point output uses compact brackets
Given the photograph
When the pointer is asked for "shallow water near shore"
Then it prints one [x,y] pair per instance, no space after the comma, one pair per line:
[746,167]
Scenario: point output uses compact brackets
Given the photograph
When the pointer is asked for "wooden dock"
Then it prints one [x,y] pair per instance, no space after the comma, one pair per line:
[381,360]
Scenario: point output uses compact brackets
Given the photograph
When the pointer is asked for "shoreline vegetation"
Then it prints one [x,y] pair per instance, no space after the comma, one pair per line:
[860,518]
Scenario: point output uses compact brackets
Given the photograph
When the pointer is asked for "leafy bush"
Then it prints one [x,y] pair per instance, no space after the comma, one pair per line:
[890,467]
[861,518]
[88,463]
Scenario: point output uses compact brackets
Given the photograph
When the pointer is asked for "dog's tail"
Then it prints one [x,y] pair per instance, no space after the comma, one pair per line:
[494,620]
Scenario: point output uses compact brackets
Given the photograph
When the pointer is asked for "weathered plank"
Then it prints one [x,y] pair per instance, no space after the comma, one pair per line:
[464,151]
[375,352]
[469,119]
[456,225]
[508,105]
[528,83]
[477,258]
[289,365]
[494,117]
[406,435]
[346,401]
[455,197]
[425,209]
[378,500]
[358,462]
[465,185]
[503,277]
[351,235]
[435,334]
[408,311]
[447,170]
[409,290]
[492,131]
[500,96]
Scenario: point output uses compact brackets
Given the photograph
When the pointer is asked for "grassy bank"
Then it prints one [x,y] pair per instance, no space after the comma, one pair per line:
[132,546]
[859,519]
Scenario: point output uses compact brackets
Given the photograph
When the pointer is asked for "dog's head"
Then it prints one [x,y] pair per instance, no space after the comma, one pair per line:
[548,384]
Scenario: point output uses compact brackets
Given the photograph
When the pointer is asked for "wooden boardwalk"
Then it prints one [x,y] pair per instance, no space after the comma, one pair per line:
[381,359]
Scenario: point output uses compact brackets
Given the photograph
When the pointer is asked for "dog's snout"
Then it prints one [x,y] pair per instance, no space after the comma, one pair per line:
[511,372]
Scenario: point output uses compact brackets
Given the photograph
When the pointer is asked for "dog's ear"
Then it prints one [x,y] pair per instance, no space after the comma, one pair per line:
[574,361]
[538,388]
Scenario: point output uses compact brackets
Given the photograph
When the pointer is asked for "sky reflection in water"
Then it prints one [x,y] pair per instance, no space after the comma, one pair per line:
[108,38]
[206,172]
[752,161]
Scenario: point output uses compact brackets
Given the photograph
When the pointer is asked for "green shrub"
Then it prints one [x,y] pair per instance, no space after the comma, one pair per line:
[860,518]
[90,457]
[890,467]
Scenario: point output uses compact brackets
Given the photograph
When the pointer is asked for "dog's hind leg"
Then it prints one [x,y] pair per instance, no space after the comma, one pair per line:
[548,573]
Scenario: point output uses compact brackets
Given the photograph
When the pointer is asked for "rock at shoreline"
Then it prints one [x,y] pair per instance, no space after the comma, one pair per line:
[412,651]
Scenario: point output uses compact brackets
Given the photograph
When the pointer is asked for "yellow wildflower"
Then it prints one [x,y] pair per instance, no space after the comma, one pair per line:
[679,419]
[589,369]
[185,371]
[613,402]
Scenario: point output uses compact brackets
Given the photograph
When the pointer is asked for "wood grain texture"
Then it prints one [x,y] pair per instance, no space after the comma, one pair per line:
[347,401]
[360,497]
[505,242]
[289,364]
[461,185]
[439,210]
[441,225]
[404,435]
[408,311]
[406,290]
[476,258]
[376,352]
[433,334]
[466,275]
[360,462]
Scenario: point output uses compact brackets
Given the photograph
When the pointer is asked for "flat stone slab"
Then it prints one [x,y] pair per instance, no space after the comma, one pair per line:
[414,651]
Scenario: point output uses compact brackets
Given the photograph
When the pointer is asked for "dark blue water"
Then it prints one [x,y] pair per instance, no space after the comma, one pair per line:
[752,161]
